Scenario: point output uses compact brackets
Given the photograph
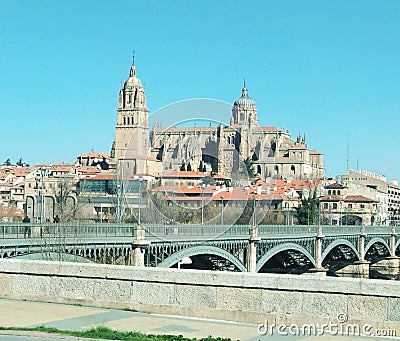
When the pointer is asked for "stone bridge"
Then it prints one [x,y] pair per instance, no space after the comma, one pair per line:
[341,250]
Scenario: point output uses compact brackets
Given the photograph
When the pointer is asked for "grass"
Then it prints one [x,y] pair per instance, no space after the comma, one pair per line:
[109,334]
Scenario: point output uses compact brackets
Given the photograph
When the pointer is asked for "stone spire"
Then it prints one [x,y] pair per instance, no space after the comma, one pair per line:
[132,72]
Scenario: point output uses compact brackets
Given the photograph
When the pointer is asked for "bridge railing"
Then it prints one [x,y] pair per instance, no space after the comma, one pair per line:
[21,230]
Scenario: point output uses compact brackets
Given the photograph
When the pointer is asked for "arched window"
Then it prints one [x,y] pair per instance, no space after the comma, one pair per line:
[124,120]
[293,169]
[329,192]
[258,169]
[276,168]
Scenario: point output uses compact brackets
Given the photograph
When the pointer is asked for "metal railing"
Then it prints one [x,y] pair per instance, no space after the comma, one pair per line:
[97,230]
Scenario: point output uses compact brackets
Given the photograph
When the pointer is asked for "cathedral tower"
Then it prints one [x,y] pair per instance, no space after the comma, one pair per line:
[244,111]
[131,133]
[244,115]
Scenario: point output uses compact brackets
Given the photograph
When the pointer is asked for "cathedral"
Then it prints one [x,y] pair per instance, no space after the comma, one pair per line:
[222,149]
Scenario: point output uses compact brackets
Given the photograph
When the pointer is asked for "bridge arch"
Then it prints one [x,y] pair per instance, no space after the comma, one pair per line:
[397,244]
[283,247]
[376,240]
[201,250]
[338,242]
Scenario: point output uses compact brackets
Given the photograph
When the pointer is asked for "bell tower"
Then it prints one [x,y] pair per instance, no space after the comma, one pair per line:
[131,131]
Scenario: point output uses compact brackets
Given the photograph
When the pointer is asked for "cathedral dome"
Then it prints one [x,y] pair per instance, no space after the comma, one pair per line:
[132,82]
[244,100]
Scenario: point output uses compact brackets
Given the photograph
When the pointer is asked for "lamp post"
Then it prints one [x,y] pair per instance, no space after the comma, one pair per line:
[319,213]
[140,201]
[40,174]
[254,209]
[319,208]
[202,204]
[222,209]
[340,216]
[118,206]
[173,207]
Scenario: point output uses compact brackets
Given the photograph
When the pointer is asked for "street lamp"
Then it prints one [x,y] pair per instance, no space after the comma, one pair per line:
[222,209]
[254,209]
[202,203]
[40,174]
[173,207]
[319,213]
[140,201]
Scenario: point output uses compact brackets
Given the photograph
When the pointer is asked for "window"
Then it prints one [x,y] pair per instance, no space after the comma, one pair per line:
[334,205]
[350,206]
[325,205]
[362,205]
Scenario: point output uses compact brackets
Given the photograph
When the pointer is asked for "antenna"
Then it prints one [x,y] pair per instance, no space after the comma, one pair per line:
[347,158]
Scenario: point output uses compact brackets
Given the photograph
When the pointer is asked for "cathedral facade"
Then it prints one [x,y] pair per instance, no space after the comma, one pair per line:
[225,149]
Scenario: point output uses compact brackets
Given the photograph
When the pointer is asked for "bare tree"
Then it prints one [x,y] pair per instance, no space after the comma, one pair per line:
[66,204]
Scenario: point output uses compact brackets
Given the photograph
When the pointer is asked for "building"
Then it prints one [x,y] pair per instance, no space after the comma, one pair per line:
[387,194]
[222,149]
[129,151]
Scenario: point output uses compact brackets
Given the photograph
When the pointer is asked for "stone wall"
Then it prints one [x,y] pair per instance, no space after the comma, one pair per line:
[243,297]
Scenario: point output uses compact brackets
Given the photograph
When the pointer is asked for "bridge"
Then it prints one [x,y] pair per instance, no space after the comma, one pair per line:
[264,248]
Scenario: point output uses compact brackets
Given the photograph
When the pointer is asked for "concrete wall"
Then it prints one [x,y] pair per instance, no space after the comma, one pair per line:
[243,297]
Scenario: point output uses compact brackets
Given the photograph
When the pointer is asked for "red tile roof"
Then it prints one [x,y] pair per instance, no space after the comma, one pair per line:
[183,174]
[99,155]
[335,186]
[358,198]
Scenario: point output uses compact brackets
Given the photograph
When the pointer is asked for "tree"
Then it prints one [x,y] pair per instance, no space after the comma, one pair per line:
[65,207]
[183,167]
[20,162]
[214,164]
[249,167]
[306,213]
[189,167]
[247,214]
[7,162]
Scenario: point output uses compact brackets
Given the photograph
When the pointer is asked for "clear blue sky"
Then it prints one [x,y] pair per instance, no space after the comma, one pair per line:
[326,68]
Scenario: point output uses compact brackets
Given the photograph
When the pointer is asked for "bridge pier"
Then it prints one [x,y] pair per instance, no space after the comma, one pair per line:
[319,269]
[359,269]
[138,246]
[252,249]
